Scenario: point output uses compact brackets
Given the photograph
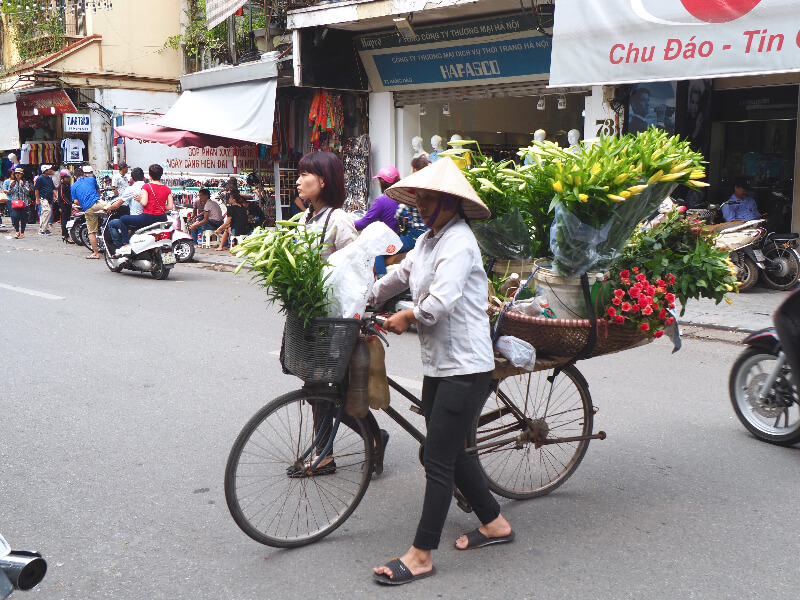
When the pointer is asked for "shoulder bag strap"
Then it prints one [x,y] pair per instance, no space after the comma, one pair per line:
[162,207]
[325,226]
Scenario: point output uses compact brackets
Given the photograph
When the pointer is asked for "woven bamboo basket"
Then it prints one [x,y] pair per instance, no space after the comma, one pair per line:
[567,337]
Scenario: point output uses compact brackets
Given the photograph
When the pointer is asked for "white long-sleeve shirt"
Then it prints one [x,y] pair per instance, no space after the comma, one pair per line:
[450,292]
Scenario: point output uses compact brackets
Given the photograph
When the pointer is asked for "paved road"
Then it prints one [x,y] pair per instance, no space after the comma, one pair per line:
[121,400]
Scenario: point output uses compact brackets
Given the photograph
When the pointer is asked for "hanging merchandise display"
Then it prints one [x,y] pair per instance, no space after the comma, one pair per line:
[355,156]
[42,153]
[73,150]
[326,119]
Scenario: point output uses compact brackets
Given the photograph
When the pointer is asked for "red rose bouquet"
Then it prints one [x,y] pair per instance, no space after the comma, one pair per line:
[632,300]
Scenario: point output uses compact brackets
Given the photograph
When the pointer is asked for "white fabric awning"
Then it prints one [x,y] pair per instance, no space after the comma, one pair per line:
[232,102]
[599,42]
[9,126]
[219,10]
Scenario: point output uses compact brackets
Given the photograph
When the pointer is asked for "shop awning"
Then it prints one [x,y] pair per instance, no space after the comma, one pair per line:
[219,10]
[627,41]
[9,131]
[179,138]
[229,102]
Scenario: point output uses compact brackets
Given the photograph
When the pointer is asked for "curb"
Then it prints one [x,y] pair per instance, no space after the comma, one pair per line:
[718,327]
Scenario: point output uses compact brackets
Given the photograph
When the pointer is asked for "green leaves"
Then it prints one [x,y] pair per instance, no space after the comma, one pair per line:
[292,273]
[505,186]
[683,247]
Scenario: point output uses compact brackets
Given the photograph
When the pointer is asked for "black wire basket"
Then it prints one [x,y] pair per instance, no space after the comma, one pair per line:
[320,352]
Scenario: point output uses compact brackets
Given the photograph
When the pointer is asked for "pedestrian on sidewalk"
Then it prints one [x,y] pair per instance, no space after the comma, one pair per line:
[44,190]
[64,203]
[19,196]
[85,192]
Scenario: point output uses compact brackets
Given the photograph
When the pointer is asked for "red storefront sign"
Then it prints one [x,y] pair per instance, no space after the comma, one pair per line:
[33,106]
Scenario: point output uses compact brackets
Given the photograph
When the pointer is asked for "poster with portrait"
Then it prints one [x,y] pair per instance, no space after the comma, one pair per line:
[697,114]
[652,105]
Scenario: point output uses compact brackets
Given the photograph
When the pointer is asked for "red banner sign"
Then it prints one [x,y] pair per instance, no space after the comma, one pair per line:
[31,106]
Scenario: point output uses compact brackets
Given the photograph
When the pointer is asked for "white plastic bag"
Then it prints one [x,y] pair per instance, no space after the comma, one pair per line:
[518,352]
[351,277]
[533,307]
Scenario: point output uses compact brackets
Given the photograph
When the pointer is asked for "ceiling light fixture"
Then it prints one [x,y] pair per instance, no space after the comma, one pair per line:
[403,25]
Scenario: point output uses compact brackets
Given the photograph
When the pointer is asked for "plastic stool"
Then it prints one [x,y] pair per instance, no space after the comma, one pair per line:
[210,239]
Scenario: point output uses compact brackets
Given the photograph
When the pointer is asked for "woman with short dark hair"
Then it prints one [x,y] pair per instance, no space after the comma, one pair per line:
[321,182]
[156,199]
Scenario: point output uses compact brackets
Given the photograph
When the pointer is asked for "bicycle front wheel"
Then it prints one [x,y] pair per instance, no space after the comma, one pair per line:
[265,495]
[528,403]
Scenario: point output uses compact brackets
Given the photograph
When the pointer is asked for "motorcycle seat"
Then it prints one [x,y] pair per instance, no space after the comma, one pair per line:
[154,227]
[785,237]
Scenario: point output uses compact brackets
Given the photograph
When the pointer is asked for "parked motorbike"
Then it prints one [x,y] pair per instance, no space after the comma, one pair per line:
[74,223]
[19,569]
[182,240]
[771,256]
[764,379]
[150,250]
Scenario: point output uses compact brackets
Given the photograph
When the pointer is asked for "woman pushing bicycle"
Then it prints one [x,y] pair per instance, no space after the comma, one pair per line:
[449,288]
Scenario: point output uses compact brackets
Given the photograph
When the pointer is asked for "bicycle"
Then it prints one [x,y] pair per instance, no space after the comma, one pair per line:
[530,435]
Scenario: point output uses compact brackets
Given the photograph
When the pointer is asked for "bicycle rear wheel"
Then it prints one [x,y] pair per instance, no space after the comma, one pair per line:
[519,470]
[286,511]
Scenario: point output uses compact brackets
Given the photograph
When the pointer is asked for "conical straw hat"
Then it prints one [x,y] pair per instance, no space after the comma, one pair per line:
[441,176]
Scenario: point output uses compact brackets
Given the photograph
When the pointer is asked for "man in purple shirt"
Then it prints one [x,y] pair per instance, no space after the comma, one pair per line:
[382,209]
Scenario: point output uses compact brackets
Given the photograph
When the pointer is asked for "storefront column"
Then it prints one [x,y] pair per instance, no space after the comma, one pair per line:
[99,145]
[381,132]
[408,127]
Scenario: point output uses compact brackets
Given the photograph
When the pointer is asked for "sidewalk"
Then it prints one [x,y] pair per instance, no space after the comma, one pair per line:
[750,311]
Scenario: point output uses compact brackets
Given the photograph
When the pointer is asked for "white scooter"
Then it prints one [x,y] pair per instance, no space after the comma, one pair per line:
[150,250]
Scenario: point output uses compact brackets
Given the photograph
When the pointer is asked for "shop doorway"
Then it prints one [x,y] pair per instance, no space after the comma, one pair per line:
[753,135]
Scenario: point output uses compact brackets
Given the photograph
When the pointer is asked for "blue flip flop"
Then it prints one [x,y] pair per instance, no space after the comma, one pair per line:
[401,574]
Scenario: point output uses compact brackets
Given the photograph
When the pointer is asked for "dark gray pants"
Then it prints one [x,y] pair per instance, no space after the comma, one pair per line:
[451,405]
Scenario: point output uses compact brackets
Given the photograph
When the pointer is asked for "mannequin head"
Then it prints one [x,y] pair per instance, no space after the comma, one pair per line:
[455,138]
[416,143]
[436,143]
[573,137]
[539,135]
[12,158]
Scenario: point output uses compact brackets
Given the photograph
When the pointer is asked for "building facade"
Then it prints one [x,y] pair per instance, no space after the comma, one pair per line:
[101,67]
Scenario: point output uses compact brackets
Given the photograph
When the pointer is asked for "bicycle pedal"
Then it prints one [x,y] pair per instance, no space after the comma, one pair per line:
[415,409]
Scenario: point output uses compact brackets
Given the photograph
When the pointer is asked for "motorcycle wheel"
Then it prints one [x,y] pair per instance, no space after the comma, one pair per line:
[83,234]
[73,234]
[110,264]
[159,271]
[763,418]
[785,278]
[184,250]
[748,271]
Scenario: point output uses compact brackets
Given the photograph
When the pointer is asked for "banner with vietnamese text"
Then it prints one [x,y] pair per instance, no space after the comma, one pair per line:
[624,41]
